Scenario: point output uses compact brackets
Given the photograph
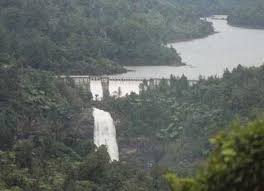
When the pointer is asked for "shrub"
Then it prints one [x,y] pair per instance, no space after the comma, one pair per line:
[236,163]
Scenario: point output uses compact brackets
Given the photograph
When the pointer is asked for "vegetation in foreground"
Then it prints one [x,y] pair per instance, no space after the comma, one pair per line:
[236,162]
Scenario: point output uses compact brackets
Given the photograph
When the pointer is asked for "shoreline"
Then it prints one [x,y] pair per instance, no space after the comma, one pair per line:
[252,27]
[167,45]
[125,70]
[191,39]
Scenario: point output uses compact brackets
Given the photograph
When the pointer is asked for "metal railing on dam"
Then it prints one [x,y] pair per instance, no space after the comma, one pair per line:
[113,78]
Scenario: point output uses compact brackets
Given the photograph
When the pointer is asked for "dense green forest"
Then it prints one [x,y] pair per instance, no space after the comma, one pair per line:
[46,139]
[247,13]
[46,131]
[252,16]
[179,118]
[95,37]
[46,124]
[241,12]
[98,37]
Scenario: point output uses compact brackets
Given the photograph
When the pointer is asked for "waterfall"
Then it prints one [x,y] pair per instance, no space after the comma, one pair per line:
[105,132]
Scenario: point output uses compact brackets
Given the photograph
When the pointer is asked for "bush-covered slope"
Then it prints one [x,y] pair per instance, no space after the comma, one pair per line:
[46,139]
[175,121]
[236,162]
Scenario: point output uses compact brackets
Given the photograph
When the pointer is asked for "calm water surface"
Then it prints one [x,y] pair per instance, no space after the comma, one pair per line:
[228,48]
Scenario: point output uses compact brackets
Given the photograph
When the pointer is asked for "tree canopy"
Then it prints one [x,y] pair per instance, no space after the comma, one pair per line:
[179,118]
[94,37]
[236,162]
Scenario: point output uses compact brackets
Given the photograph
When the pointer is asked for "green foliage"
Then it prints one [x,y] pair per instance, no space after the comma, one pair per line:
[241,12]
[181,117]
[249,16]
[12,177]
[97,37]
[236,162]
[45,147]
[179,184]
[94,37]
[7,129]
[95,170]
[23,152]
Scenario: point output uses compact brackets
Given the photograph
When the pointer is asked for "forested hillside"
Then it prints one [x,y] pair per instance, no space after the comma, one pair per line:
[241,12]
[174,122]
[249,16]
[99,37]
[46,139]
[46,123]
[46,132]
[94,37]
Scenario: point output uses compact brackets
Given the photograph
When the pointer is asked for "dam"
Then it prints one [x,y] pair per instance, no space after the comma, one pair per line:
[103,86]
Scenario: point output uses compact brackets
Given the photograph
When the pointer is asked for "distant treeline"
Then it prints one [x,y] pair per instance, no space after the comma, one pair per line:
[241,12]
[252,17]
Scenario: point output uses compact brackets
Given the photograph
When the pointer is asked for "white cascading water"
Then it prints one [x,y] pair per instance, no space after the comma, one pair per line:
[105,132]
[126,87]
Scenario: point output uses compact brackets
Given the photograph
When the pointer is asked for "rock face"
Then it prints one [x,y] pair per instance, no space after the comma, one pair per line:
[105,132]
